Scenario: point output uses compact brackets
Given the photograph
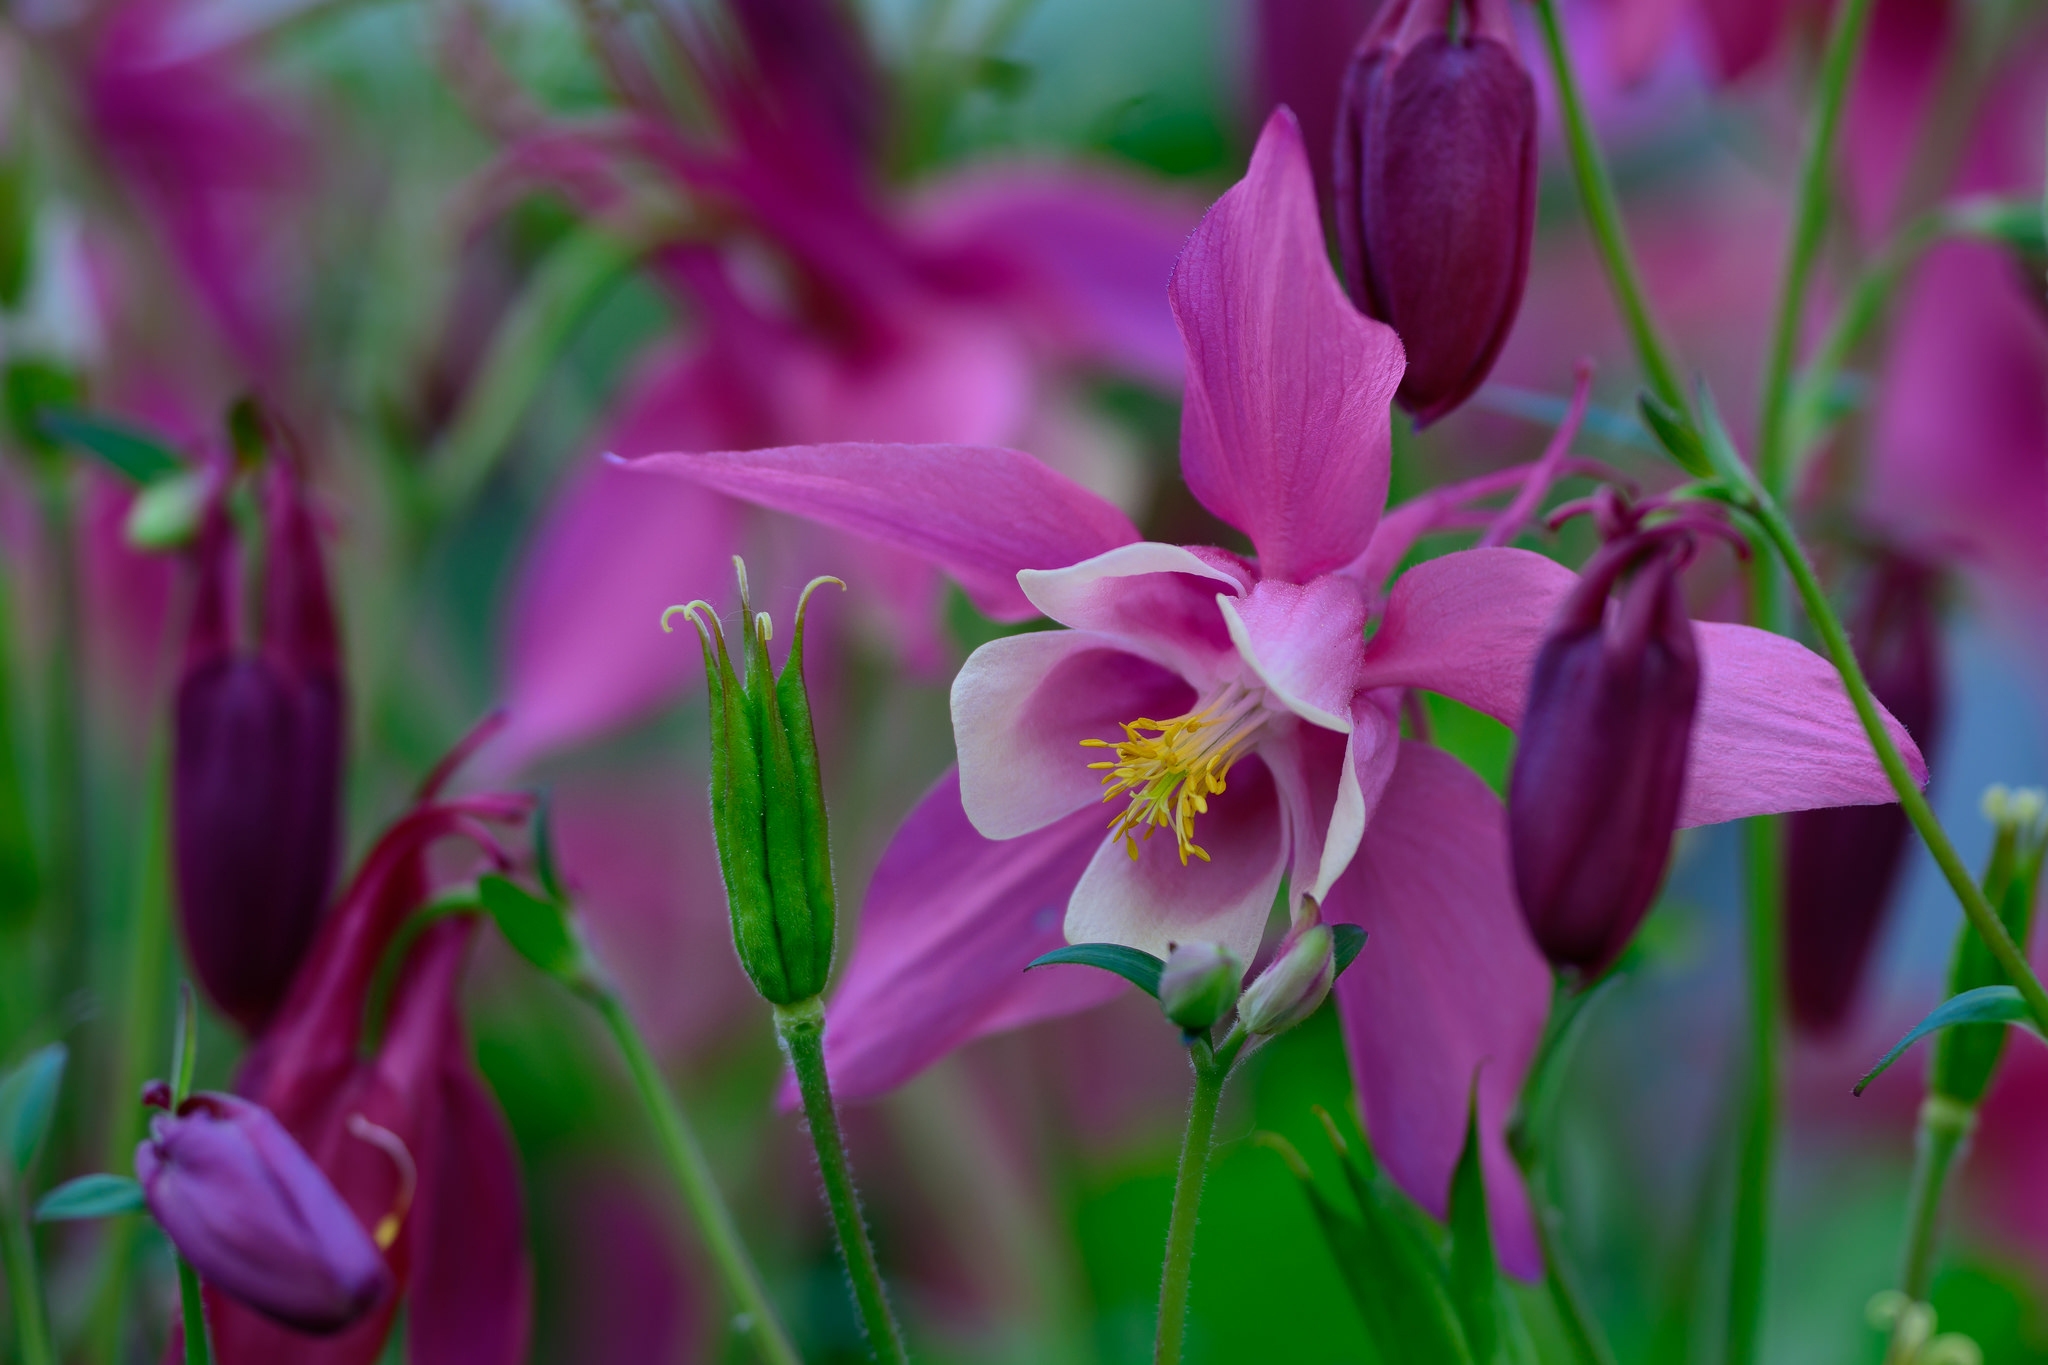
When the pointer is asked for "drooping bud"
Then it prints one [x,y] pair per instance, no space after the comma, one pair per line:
[1600,765]
[1294,984]
[252,1214]
[1199,984]
[1436,189]
[768,804]
[1967,1055]
[1841,864]
[256,762]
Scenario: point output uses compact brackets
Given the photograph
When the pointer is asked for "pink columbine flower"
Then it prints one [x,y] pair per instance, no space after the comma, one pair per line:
[1251,727]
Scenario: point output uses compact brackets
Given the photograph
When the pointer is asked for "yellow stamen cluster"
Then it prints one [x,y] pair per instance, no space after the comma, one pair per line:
[1170,768]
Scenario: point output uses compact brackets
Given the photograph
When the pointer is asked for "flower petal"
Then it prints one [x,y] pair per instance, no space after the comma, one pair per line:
[949,923]
[982,513]
[1162,598]
[1449,985]
[1469,625]
[1022,706]
[1775,732]
[1304,642]
[1330,785]
[1285,434]
[1152,902]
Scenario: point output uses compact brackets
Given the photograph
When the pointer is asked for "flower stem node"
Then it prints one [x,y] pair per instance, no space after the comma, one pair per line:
[1199,984]
[1293,985]
[767,803]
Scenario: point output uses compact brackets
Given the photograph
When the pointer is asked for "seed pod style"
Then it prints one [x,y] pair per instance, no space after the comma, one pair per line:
[252,1214]
[1435,173]
[1841,864]
[1294,984]
[1600,765]
[256,760]
[1199,984]
[768,805]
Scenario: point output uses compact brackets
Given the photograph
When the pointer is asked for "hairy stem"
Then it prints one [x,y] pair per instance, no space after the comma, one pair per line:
[692,1174]
[1211,1071]
[1945,1126]
[802,1030]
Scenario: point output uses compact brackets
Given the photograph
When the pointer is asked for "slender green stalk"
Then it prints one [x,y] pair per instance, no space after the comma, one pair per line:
[1749,1244]
[24,1285]
[1567,1299]
[198,1349]
[1809,221]
[802,1029]
[64,765]
[692,1173]
[1945,1126]
[1603,216]
[1212,1069]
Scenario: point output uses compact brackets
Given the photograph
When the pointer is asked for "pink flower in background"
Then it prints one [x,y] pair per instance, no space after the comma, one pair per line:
[949,315]
[1282,756]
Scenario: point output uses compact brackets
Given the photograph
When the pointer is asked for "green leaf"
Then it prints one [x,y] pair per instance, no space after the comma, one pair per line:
[1493,1325]
[136,454]
[1350,943]
[1985,1005]
[537,929]
[1674,432]
[28,1101]
[90,1196]
[1134,965]
[544,847]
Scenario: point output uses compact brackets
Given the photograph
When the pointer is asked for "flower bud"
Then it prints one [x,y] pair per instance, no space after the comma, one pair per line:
[1199,984]
[1293,985]
[256,764]
[1600,765]
[1436,190]
[768,804]
[1967,1055]
[252,1214]
[1841,863]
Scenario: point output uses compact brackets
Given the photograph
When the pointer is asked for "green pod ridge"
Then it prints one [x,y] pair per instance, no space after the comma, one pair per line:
[786,879]
[1966,1056]
[795,703]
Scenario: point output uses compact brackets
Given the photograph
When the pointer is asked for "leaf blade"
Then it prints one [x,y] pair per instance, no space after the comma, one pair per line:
[1984,1005]
[90,1196]
[28,1103]
[1134,965]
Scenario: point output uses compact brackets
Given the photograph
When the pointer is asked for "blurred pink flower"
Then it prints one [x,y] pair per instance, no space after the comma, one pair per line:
[1286,436]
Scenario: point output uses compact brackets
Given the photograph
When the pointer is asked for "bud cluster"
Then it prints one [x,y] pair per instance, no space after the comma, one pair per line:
[1201,982]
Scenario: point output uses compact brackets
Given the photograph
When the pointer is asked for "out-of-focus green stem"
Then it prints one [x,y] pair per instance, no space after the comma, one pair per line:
[1945,1126]
[1603,216]
[64,763]
[692,1174]
[1809,221]
[1212,1070]
[24,1284]
[802,1029]
[1749,1241]
[198,1349]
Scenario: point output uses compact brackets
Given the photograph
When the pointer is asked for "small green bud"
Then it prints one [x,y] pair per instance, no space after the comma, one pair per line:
[1199,984]
[1293,986]
[166,514]
[768,803]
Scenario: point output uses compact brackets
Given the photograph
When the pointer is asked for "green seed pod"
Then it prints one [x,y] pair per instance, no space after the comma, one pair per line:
[1966,1056]
[1294,984]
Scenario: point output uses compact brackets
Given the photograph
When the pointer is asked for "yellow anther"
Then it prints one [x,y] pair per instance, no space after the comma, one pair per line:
[1170,768]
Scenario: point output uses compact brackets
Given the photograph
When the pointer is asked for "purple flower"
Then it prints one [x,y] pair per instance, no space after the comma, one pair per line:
[1436,190]
[246,1206]
[256,764]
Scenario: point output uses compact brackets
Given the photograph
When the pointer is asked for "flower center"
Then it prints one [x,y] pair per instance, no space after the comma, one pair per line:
[1170,768]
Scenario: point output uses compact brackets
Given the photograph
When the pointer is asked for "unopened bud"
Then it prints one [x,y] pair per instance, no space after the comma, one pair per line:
[1199,984]
[1436,190]
[252,1214]
[1600,765]
[1293,985]
[768,804]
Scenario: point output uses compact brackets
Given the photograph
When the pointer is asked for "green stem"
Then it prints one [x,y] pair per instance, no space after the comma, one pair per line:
[1603,215]
[1945,1126]
[65,766]
[692,1173]
[1212,1069]
[802,1029]
[1809,221]
[1749,1244]
[24,1285]
[1581,1327]
[198,1349]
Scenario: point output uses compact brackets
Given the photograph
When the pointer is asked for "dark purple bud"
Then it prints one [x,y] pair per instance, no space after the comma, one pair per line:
[1600,767]
[256,765]
[245,1205]
[1841,864]
[1436,190]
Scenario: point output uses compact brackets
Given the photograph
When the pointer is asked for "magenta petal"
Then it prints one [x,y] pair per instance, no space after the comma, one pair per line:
[1285,433]
[1161,598]
[980,512]
[1304,642]
[949,923]
[1775,732]
[1330,785]
[1469,625]
[1152,901]
[1449,985]
[470,1299]
[1022,706]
